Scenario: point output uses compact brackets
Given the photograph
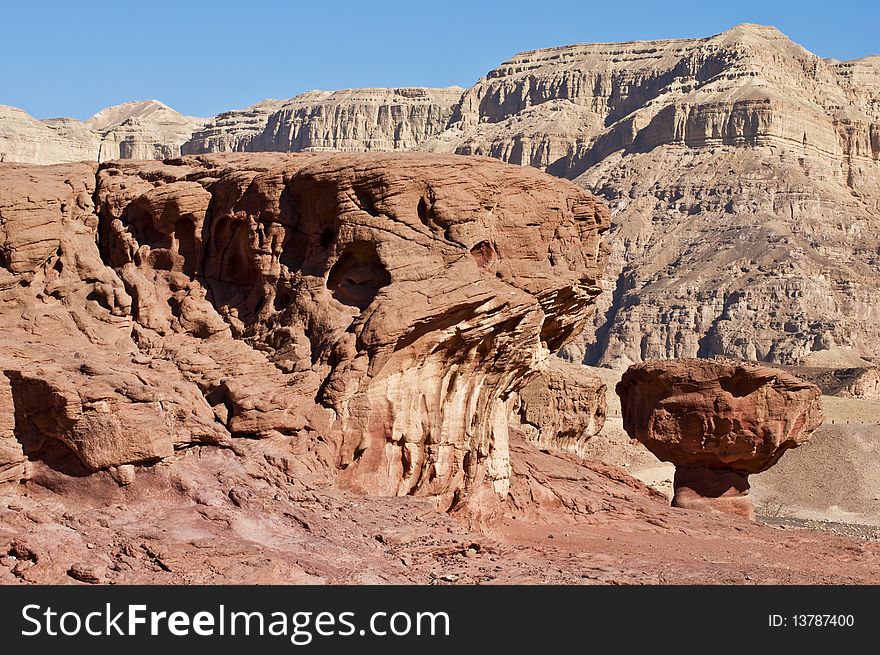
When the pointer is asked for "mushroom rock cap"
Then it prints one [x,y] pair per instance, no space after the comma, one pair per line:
[717,413]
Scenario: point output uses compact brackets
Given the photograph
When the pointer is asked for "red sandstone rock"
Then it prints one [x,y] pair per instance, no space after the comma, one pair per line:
[563,407]
[718,422]
[368,316]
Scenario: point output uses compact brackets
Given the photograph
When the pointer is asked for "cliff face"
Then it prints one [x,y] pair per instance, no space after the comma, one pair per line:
[25,139]
[352,120]
[568,108]
[366,317]
[742,172]
[232,131]
[133,130]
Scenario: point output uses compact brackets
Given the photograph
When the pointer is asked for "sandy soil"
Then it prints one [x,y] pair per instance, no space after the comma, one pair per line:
[208,518]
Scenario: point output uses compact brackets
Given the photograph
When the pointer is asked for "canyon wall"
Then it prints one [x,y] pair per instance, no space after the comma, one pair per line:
[742,173]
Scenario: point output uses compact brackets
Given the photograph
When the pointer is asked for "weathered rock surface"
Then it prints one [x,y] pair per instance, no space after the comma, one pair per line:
[142,130]
[742,173]
[25,139]
[232,131]
[368,315]
[233,515]
[562,408]
[717,422]
[855,382]
[134,130]
[351,120]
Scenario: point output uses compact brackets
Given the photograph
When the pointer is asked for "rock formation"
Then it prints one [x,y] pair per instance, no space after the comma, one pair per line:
[369,315]
[232,131]
[351,120]
[145,130]
[142,130]
[718,422]
[25,139]
[562,408]
[856,382]
[742,173]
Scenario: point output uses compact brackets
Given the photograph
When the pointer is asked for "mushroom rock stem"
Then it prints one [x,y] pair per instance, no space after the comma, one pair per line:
[704,488]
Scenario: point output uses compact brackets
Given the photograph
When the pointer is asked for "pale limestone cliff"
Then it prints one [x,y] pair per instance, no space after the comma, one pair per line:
[25,139]
[743,175]
[232,131]
[142,130]
[351,120]
[134,130]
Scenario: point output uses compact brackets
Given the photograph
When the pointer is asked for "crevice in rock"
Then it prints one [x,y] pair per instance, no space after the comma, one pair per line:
[603,333]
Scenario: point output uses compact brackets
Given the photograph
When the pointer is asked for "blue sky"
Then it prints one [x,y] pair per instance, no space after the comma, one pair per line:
[74,58]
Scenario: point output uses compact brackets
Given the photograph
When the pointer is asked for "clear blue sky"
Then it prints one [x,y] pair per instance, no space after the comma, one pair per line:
[74,58]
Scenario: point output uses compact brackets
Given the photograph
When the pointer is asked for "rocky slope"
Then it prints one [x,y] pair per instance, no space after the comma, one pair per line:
[743,175]
[133,130]
[223,516]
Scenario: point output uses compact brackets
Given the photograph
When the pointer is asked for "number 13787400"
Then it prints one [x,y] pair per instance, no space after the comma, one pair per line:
[811,621]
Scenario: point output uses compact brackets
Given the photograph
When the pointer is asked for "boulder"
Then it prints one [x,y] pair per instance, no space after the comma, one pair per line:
[718,421]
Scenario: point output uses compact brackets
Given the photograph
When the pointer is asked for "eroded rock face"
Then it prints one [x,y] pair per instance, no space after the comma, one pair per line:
[145,129]
[718,422]
[349,120]
[368,317]
[232,131]
[563,407]
[742,173]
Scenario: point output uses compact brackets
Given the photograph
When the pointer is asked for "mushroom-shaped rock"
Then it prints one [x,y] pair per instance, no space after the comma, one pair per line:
[718,421]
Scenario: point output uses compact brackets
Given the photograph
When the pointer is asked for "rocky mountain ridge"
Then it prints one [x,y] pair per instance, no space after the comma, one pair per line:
[742,173]
[350,120]
[145,129]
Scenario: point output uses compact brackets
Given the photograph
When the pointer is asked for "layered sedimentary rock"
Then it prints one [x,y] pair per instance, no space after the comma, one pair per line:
[742,172]
[856,382]
[232,131]
[25,139]
[134,130]
[562,408]
[368,317]
[72,379]
[351,120]
[142,130]
[718,422]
